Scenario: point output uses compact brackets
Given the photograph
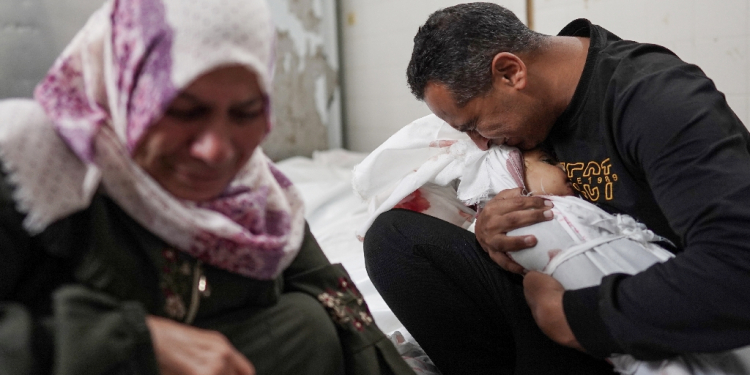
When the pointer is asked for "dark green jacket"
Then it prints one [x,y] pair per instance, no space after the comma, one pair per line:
[73,299]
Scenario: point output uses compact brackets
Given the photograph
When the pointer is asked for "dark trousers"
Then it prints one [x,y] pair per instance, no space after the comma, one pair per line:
[466,312]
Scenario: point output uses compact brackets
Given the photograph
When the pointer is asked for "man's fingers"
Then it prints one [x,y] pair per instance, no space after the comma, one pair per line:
[508,193]
[518,203]
[516,195]
[504,243]
[507,211]
[520,219]
[506,263]
[513,220]
[511,243]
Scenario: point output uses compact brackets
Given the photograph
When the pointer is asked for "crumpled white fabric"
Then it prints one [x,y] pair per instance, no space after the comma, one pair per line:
[735,362]
[430,158]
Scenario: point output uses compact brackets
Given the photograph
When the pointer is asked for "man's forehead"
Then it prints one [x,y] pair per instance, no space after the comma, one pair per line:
[440,101]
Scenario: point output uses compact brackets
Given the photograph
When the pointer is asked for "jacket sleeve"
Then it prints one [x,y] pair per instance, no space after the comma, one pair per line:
[367,350]
[61,330]
[678,132]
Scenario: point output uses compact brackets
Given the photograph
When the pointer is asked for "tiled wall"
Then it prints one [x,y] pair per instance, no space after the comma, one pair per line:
[377,41]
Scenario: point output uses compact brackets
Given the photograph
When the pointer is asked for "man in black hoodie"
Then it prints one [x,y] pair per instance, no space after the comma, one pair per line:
[639,132]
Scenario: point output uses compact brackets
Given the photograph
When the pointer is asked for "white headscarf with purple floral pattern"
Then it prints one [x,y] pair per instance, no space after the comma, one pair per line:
[111,83]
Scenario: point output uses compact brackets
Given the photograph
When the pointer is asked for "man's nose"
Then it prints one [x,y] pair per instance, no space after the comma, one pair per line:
[481,142]
[213,145]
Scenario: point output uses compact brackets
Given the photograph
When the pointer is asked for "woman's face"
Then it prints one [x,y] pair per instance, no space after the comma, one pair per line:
[206,135]
[544,176]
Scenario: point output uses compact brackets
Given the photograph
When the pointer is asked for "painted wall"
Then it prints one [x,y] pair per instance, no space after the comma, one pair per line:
[377,42]
[32,35]
[307,98]
[307,104]
[713,34]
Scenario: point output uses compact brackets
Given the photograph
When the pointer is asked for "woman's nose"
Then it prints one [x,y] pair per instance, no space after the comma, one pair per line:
[481,142]
[213,145]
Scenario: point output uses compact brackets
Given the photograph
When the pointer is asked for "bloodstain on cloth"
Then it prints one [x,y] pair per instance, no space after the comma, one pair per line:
[414,202]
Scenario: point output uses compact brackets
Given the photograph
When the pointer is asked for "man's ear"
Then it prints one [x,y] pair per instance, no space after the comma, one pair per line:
[508,70]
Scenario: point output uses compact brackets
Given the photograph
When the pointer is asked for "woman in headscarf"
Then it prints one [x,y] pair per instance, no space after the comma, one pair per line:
[142,229]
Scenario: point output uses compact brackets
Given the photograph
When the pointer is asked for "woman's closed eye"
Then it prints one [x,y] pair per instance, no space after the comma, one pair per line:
[249,111]
[195,113]
[247,115]
[188,114]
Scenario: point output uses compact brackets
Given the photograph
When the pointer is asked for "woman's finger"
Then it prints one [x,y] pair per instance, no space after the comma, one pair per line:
[241,365]
[182,349]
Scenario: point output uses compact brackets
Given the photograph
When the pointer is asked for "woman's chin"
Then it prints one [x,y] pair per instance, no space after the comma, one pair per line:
[196,191]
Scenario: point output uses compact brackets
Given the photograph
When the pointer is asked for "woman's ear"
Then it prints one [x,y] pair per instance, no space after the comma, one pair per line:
[509,70]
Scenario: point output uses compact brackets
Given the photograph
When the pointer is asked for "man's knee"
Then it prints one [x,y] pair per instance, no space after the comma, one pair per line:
[382,240]
[387,232]
[385,225]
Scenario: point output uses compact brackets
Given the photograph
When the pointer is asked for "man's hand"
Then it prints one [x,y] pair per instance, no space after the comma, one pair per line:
[182,349]
[507,211]
[544,295]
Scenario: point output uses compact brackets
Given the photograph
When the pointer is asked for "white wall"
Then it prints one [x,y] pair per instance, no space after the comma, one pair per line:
[307,104]
[377,41]
[32,35]
[713,34]
[376,47]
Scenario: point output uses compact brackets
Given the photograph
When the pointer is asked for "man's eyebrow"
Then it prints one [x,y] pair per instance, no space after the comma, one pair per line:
[465,127]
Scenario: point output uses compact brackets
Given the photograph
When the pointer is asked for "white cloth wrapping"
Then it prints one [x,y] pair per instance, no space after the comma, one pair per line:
[580,246]
[583,243]
[427,158]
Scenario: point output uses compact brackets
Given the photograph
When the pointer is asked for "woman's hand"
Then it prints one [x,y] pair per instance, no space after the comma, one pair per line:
[544,295]
[507,211]
[182,349]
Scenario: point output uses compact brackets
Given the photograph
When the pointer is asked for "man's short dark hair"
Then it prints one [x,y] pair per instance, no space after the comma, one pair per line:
[456,46]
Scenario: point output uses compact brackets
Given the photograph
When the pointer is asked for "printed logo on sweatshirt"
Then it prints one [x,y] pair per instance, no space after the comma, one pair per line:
[594,180]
